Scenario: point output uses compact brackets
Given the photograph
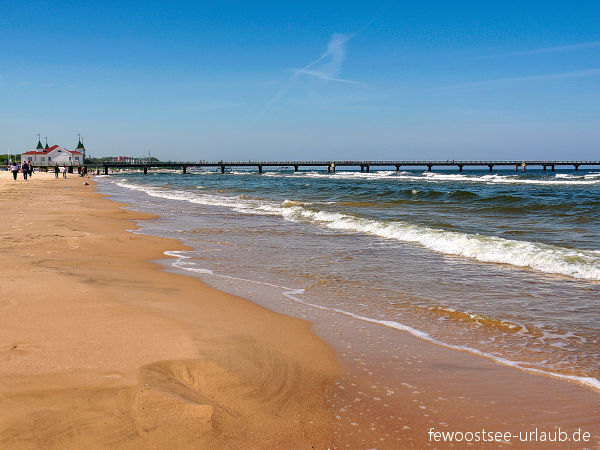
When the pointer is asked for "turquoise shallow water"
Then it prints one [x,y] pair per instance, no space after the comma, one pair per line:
[504,265]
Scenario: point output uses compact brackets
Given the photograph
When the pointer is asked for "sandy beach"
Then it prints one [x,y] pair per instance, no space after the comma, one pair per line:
[101,348]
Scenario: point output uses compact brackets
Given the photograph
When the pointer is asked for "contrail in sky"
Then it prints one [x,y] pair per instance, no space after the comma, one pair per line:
[336,50]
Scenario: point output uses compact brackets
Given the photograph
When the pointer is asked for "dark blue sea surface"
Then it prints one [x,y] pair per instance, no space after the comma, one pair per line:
[504,265]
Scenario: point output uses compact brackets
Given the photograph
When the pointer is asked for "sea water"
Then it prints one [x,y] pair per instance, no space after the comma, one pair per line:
[505,265]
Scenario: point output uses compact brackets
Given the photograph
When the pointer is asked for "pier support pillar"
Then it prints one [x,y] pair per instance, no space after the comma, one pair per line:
[328,169]
[259,169]
[222,169]
[491,166]
[362,168]
[145,170]
[429,167]
[184,170]
[105,170]
[397,168]
[460,168]
[576,167]
[295,168]
[544,168]
[368,168]
[552,168]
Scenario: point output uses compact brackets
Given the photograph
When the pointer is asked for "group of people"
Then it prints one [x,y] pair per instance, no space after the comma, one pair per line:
[63,170]
[81,170]
[27,169]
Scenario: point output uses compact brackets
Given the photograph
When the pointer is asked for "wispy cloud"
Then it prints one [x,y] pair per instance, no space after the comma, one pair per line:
[513,80]
[328,65]
[330,62]
[48,85]
[22,83]
[556,49]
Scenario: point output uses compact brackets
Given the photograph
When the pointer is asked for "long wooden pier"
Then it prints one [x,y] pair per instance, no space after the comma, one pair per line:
[331,165]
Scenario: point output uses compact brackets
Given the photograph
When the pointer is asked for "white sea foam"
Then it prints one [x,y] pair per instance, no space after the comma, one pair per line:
[436,177]
[575,263]
[177,254]
[497,178]
[293,293]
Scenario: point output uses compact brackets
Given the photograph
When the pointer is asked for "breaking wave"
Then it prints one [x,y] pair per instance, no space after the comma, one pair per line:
[551,259]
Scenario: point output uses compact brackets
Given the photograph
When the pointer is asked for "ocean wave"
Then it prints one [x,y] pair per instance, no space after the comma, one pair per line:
[504,179]
[516,179]
[546,258]
[436,177]
[551,259]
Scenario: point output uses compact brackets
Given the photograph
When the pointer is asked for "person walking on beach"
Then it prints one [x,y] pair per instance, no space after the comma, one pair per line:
[30,169]
[56,171]
[15,170]
[64,171]
[25,169]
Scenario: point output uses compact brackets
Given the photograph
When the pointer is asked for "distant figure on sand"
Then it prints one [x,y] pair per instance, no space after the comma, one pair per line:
[64,171]
[30,169]
[15,170]
[25,169]
[56,171]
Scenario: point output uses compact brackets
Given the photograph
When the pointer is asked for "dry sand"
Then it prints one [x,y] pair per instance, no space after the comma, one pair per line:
[99,348]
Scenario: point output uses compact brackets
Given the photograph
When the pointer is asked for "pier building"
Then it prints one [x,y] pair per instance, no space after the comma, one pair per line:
[55,155]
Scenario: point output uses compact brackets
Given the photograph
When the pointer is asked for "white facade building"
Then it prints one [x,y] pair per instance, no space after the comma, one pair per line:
[51,156]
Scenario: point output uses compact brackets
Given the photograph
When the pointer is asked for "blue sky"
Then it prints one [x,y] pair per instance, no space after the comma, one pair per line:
[341,80]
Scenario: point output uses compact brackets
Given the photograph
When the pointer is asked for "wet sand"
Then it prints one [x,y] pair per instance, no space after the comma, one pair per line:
[100,347]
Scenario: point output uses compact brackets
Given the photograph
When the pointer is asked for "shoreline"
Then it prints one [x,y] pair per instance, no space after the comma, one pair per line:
[436,387]
[507,397]
[290,293]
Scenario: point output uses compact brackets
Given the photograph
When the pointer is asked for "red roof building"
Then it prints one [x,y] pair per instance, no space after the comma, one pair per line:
[55,155]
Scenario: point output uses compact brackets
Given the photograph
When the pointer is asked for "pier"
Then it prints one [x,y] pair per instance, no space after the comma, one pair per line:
[332,165]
